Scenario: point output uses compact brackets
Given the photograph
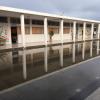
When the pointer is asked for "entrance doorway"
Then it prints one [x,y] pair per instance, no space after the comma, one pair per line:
[14,35]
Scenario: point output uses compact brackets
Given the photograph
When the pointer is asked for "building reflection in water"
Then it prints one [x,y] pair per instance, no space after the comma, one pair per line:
[15,56]
[46,59]
[73,53]
[50,50]
[61,55]
[98,47]
[32,63]
[24,65]
[83,51]
[91,48]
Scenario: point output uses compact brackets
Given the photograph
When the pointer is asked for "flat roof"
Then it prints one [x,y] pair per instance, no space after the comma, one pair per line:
[17,10]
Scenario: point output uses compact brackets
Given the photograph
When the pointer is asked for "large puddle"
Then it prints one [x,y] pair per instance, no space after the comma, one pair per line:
[17,67]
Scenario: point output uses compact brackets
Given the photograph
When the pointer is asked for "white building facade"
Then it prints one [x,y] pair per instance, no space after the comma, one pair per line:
[18,26]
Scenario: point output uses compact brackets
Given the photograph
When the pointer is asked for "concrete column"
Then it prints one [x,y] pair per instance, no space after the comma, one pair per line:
[92,30]
[98,31]
[61,29]
[73,53]
[71,32]
[30,26]
[46,59]
[70,28]
[23,30]
[61,55]
[24,65]
[84,30]
[45,30]
[74,31]
[9,31]
[78,37]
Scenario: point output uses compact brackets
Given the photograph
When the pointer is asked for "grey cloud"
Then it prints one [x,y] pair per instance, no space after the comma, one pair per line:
[75,8]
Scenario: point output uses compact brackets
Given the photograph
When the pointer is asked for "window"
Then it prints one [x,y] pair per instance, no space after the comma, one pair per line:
[55,30]
[19,30]
[37,30]
[27,30]
[37,22]
[52,23]
[15,20]
[95,28]
[3,20]
[66,30]
[88,25]
[27,21]
[67,24]
[81,25]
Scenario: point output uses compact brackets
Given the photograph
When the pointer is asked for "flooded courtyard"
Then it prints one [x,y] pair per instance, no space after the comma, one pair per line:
[19,66]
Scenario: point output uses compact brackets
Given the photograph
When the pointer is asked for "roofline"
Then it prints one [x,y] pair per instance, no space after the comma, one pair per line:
[17,10]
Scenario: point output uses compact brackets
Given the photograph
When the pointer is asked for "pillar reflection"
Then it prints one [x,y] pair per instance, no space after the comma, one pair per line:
[98,43]
[46,59]
[91,48]
[74,31]
[61,55]
[73,53]
[83,51]
[24,65]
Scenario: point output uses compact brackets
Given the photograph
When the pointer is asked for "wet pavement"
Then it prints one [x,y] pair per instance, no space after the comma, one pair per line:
[94,96]
[75,83]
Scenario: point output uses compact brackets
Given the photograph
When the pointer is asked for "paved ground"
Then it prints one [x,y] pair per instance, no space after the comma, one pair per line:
[94,96]
[76,83]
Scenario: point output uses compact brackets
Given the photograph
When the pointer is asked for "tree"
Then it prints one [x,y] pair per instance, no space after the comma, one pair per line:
[51,33]
[2,39]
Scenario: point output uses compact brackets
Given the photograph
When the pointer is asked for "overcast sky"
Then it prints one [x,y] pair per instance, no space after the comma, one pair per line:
[89,9]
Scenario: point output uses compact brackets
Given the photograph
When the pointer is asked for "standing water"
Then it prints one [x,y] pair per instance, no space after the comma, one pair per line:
[19,66]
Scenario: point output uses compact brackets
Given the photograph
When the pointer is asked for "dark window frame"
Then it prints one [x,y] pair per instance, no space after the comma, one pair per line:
[3,19]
